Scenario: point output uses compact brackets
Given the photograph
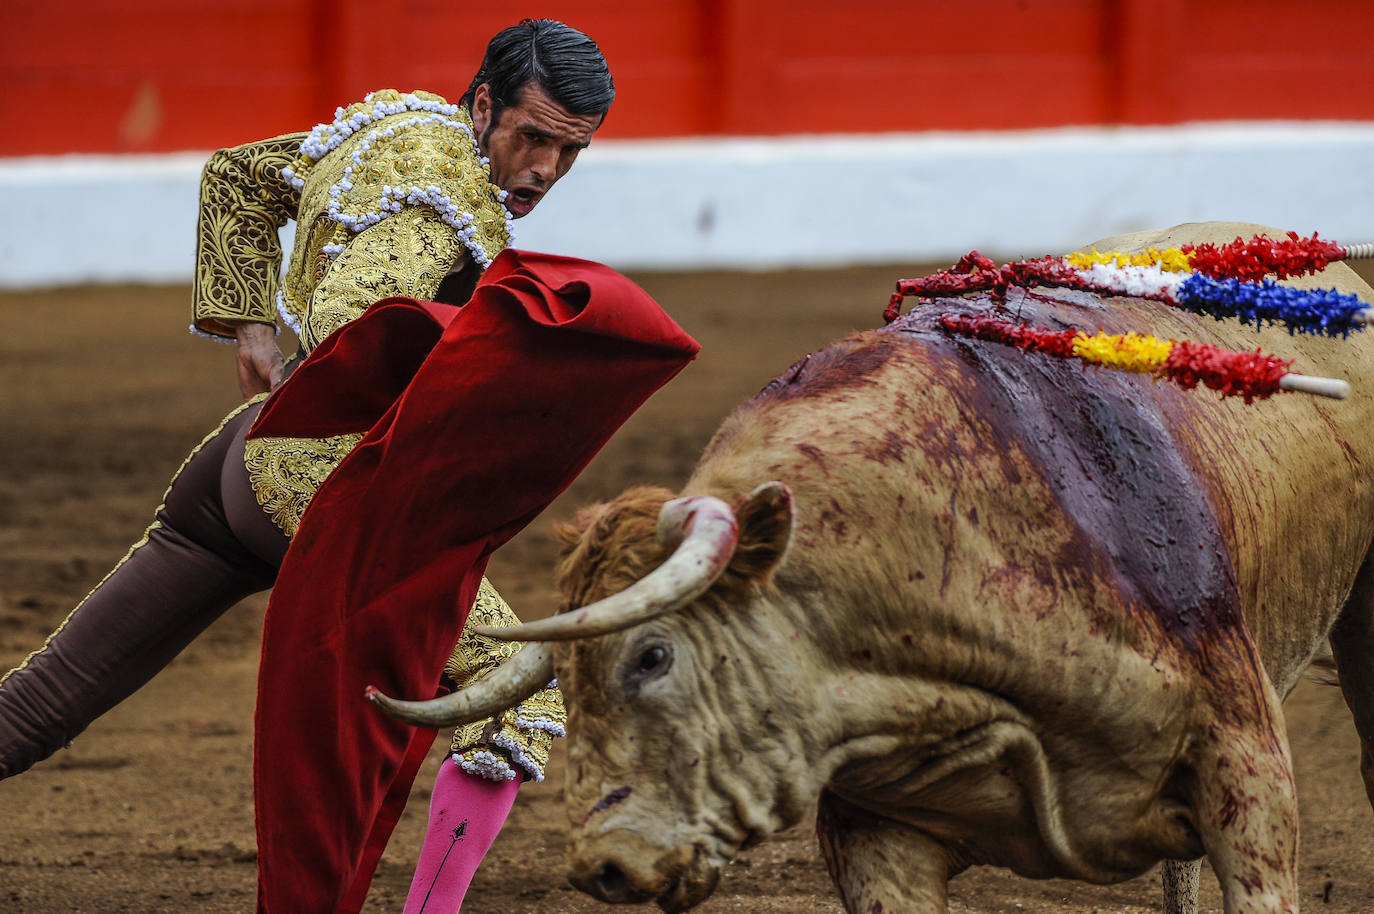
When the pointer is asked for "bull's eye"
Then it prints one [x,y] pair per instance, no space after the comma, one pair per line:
[646,663]
[651,660]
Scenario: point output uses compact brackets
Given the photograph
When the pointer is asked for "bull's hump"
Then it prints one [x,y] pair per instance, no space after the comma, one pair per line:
[1136,511]
[849,365]
[1102,444]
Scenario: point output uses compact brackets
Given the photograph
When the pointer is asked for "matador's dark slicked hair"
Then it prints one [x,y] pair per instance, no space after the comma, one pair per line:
[556,57]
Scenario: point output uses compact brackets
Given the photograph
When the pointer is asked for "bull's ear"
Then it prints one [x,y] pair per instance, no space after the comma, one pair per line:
[765,532]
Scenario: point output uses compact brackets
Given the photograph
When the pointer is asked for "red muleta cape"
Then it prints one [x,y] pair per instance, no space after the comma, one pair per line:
[476,418]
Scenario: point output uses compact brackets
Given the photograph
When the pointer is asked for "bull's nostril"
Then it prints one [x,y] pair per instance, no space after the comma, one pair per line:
[610,879]
[609,883]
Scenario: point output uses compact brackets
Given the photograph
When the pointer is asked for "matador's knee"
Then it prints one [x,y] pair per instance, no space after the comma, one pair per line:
[521,737]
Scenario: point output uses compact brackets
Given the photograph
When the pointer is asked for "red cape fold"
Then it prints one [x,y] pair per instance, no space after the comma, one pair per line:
[476,418]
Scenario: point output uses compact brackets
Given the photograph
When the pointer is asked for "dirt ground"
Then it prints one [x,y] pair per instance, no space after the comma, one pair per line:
[101,395]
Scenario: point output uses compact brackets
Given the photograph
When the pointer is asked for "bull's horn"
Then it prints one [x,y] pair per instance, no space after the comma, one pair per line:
[706,531]
[504,687]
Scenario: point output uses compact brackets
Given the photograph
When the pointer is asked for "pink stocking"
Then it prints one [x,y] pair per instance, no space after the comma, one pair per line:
[465,814]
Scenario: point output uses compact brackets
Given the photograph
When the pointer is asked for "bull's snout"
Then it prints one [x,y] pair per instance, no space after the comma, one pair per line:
[621,869]
[609,883]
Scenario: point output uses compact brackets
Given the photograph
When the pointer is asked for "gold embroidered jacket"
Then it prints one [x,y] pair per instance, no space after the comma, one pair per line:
[387,200]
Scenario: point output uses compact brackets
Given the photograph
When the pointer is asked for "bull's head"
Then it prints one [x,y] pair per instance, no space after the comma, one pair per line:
[676,688]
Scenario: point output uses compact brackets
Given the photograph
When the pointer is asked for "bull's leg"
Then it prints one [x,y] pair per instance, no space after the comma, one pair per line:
[1180,879]
[1246,809]
[1352,643]
[881,865]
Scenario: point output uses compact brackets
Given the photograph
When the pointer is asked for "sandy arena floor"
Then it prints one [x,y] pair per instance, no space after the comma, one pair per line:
[150,811]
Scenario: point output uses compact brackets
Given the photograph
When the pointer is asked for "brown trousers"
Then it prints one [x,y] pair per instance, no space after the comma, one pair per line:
[210,546]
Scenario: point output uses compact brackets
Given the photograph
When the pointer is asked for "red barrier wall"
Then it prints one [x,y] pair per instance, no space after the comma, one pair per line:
[163,75]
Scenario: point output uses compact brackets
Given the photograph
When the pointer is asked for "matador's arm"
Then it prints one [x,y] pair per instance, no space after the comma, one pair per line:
[243,201]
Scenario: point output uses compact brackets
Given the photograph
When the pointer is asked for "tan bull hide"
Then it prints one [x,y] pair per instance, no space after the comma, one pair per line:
[996,608]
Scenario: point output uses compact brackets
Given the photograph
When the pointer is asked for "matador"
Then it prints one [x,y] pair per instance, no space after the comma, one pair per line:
[403,197]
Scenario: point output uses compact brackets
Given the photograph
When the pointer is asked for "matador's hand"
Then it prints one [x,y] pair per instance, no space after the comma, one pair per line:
[260,362]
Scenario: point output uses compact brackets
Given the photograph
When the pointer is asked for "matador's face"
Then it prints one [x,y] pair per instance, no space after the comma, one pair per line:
[531,145]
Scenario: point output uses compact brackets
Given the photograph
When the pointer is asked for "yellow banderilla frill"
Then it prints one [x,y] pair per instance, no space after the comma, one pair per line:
[1171,259]
[1129,352]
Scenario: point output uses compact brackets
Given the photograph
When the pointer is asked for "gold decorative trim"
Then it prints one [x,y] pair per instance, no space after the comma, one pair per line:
[285,473]
[244,200]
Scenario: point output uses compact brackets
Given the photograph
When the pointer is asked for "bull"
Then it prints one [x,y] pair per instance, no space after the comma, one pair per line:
[971,606]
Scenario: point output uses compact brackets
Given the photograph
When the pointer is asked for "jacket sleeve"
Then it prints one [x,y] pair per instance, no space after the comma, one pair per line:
[244,200]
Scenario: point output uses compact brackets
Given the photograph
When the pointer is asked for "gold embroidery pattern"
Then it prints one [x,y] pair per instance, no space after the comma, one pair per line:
[287,472]
[526,732]
[356,247]
[143,541]
[244,199]
[404,162]
[407,254]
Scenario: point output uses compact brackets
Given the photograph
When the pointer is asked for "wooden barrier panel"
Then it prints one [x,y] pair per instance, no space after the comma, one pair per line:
[163,75]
